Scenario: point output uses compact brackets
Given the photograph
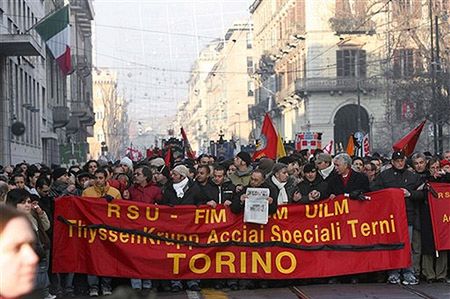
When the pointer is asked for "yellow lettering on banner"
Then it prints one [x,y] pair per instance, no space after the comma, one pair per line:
[210,216]
[71,227]
[445,218]
[243,262]
[205,268]
[149,215]
[113,209]
[266,264]
[102,232]
[225,237]
[293,262]
[176,261]
[124,237]
[220,262]
[365,229]
[353,223]
[112,236]
[213,238]
[133,212]
[385,226]
[282,213]
[442,195]
[322,210]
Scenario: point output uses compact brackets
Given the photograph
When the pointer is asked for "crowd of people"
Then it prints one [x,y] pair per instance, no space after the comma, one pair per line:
[28,193]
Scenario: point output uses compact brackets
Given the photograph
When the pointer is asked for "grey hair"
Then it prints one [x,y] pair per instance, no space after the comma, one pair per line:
[344,158]
[418,156]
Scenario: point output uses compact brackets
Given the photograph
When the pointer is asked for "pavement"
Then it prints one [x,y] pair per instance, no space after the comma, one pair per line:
[323,291]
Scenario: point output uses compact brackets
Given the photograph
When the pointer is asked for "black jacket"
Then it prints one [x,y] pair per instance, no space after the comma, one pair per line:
[305,187]
[237,207]
[394,178]
[226,192]
[290,187]
[356,182]
[192,195]
[426,226]
[208,193]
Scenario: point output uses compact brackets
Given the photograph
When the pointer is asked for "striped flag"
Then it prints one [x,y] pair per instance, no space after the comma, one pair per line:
[54,30]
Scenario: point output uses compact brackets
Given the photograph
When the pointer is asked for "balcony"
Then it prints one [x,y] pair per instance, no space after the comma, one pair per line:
[336,84]
[61,116]
[74,125]
[19,45]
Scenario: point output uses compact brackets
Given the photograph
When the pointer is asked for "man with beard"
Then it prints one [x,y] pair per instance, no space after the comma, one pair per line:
[399,177]
[241,176]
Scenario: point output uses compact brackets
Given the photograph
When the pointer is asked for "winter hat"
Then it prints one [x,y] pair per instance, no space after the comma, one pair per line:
[277,167]
[245,157]
[286,160]
[266,164]
[127,161]
[164,170]
[310,167]
[182,170]
[59,172]
[444,163]
[157,162]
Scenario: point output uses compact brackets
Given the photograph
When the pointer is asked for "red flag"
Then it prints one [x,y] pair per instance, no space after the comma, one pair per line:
[187,146]
[329,148]
[268,140]
[149,153]
[168,157]
[409,141]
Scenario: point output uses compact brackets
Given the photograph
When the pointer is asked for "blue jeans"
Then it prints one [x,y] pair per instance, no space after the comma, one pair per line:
[407,272]
[105,282]
[141,283]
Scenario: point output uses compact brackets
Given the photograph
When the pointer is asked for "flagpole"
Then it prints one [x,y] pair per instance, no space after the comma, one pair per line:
[44,18]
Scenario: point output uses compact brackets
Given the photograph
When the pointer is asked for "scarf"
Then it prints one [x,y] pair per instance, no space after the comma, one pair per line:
[179,187]
[282,195]
[327,171]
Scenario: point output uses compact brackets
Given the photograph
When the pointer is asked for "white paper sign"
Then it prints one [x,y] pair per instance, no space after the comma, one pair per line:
[256,208]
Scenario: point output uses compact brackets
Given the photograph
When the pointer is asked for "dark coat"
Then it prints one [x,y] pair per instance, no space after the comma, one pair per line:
[290,187]
[208,193]
[356,182]
[192,194]
[305,187]
[426,228]
[237,207]
[394,178]
[226,191]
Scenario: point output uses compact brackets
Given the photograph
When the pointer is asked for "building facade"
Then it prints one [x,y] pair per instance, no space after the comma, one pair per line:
[221,89]
[34,94]
[336,72]
[110,135]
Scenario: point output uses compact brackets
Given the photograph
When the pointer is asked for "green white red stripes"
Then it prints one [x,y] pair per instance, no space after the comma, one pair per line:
[54,30]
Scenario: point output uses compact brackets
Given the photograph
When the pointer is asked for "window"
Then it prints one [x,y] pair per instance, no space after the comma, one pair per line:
[250,88]
[249,65]
[249,40]
[403,63]
[351,63]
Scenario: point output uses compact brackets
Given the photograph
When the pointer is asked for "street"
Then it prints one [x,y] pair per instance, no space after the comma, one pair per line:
[323,291]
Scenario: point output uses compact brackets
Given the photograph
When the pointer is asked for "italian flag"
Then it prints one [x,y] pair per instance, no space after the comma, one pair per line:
[54,30]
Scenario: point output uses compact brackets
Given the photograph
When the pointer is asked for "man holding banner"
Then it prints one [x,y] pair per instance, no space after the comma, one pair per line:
[399,177]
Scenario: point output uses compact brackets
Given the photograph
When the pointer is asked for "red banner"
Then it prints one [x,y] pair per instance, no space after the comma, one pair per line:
[440,215]
[329,238]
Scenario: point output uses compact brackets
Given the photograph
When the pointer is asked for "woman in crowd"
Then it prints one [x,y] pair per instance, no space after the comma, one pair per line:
[18,260]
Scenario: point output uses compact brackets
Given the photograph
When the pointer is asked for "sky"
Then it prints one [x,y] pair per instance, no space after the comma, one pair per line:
[152,45]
